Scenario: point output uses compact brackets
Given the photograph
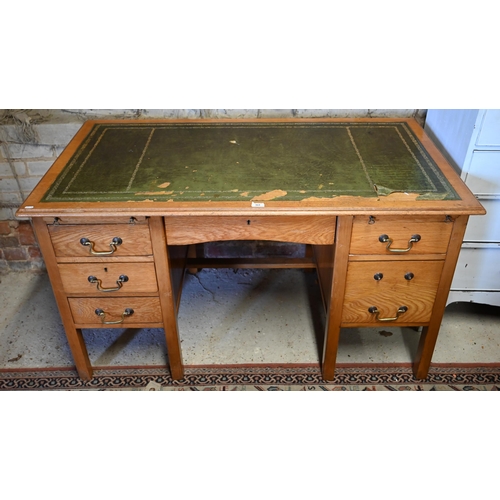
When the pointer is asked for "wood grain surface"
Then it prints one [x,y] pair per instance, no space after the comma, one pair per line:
[146,309]
[141,277]
[136,240]
[434,231]
[392,291]
[300,229]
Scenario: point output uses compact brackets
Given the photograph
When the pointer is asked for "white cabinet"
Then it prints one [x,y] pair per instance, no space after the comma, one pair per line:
[470,140]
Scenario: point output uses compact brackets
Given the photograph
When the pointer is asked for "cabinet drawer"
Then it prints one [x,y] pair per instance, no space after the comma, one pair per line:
[478,269]
[489,134]
[135,239]
[143,310]
[483,176]
[366,236]
[114,278]
[72,220]
[388,285]
[485,228]
[297,229]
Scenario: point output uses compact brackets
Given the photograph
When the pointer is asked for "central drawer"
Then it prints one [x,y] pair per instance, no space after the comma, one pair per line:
[113,278]
[312,230]
[388,286]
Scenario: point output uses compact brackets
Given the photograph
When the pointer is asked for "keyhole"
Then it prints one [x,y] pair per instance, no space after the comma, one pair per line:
[105,269]
[248,222]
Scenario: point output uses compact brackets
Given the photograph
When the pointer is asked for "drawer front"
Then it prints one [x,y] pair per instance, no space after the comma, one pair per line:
[483,177]
[367,234]
[135,239]
[477,269]
[489,134]
[293,229]
[388,285]
[72,220]
[114,278]
[145,310]
[485,228]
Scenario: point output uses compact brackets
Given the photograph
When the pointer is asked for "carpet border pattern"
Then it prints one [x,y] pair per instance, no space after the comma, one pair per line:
[218,377]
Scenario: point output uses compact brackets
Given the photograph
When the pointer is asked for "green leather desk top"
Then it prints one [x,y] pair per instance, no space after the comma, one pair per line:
[248,161]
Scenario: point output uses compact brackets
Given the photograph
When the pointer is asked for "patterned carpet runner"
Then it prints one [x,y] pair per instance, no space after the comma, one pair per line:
[390,377]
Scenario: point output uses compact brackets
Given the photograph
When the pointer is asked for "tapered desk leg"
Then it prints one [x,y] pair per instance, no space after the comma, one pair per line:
[334,313]
[429,334]
[74,335]
[167,299]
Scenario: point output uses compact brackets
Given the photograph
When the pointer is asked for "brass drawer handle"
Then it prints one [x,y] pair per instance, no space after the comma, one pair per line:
[114,243]
[374,310]
[384,238]
[102,314]
[122,279]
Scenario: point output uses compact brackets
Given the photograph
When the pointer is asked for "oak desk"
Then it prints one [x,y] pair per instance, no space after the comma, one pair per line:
[118,214]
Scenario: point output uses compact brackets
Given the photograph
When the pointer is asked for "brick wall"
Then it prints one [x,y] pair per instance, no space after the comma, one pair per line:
[26,157]
[19,250]
[22,165]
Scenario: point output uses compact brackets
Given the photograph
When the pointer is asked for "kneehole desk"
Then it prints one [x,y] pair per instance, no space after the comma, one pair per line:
[119,213]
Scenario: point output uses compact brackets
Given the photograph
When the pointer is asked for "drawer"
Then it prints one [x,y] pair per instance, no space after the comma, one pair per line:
[72,220]
[113,310]
[388,285]
[483,175]
[478,269]
[489,133]
[294,229]
[114,278]
[135,239]
[367,234]
[485,228]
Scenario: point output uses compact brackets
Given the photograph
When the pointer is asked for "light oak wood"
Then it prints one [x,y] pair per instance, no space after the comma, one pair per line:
[69,220]
[429,334]
[178,261]
[400,257]
[310,221]
[252,263]
[336,300]
[93,259]
[341,204]
[167,297]
[391,291]
[434,231]
[323,259]
[73,334]
[312,230]
[141,278]
[146,310]
[136,239]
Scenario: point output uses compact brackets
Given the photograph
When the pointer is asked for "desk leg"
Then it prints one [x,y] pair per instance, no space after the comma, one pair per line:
[429,334]
[336,300]
[74,335]
[167,299]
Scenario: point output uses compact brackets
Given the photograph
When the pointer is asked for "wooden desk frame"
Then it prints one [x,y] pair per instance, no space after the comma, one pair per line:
[175,228]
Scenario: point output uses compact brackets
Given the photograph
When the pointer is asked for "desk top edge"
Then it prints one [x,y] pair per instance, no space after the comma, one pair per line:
[395,203]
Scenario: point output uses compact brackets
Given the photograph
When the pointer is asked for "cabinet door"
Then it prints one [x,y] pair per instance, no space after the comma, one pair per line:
[485,228]
[483,177]
[489,132]
[478,269]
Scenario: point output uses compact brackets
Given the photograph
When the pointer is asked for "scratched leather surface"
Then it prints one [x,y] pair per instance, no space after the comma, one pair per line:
[245,161]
